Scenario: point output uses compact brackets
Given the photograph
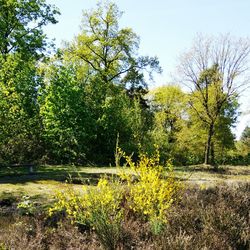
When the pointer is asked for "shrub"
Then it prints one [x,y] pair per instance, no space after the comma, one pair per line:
[98,209]
[151,189]
[145,189]
[26,206]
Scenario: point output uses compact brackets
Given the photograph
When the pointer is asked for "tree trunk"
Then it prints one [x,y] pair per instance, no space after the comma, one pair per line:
[208,144]
[212,154]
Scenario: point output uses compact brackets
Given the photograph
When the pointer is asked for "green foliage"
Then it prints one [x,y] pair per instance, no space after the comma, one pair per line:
[241,153]
[125,117]
[110,52]
[21,27]
[19,116]
[183,122]
[214,70]
[213,112]
[245,137]
[69,108]
[168,104]
[26,206]
[65,115]
[93,90]
[22,43]
[80,122]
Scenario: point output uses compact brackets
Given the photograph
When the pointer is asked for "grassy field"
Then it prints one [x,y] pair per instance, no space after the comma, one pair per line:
[45,180]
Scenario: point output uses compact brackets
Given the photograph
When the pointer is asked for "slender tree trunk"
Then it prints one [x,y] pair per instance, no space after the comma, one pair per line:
[208,144]
[212,154]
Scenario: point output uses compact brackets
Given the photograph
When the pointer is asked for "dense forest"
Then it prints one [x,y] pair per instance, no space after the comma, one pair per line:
[77,103]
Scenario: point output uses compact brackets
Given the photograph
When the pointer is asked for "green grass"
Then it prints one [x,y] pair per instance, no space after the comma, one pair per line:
[46,180]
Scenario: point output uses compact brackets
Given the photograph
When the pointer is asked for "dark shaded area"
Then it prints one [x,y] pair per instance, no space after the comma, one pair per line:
[21,175]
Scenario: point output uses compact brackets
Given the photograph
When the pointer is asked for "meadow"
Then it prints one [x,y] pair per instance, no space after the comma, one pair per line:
[45,180]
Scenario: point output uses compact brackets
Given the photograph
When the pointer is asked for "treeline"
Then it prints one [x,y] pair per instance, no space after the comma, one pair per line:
[76,105]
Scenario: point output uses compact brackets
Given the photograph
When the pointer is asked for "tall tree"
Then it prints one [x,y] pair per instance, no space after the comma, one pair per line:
[168,106]
[110,51]
[245,140]
[100,80]
[215,70]
[114,67]
[22,43]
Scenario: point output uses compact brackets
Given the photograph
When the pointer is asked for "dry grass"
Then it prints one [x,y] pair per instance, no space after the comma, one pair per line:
[203,175]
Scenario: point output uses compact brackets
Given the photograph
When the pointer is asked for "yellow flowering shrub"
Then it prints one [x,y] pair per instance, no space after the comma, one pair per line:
[106,197]
[69,201]
[98,207]
[152,188]
[147,187]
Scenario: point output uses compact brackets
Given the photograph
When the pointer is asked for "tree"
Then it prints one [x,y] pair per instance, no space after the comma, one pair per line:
[76,127]
[93,91]
[215,70]
[22,44]
[208,104]
[245,137]
[111,52]
[19,112]
[240,154]
[168,106]
[245,141]
[66,117]
[21,27]
[109,58]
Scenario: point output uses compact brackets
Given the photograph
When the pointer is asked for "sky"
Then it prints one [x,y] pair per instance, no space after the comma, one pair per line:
[166,29]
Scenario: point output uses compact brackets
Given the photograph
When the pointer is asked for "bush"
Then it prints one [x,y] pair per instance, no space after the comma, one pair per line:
[26,206]
[145,189]
[151,189]
[98,209]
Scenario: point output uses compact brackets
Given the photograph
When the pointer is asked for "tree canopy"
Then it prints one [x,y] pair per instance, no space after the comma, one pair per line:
[21,26]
